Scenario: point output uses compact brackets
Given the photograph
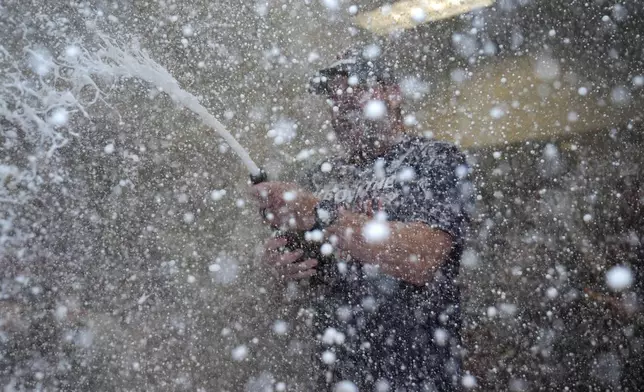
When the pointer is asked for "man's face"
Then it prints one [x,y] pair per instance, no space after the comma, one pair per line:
[358,124]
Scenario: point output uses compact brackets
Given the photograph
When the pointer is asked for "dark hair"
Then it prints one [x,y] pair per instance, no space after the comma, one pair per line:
[352,63]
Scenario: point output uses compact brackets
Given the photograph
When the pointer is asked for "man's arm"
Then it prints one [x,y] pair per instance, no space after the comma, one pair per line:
[412,251]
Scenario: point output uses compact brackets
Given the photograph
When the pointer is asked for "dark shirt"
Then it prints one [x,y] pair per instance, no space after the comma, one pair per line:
[382,330]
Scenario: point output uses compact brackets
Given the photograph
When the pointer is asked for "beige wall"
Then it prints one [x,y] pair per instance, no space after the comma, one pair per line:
[535,108]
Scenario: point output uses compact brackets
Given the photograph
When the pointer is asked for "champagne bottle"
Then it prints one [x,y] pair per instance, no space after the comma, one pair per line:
[311,250]
[297,240]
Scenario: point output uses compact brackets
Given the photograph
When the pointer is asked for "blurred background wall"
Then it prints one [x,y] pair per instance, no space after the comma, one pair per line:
[132,269]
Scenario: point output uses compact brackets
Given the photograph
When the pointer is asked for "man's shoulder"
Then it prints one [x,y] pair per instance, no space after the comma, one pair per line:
[322,164]
[316,169]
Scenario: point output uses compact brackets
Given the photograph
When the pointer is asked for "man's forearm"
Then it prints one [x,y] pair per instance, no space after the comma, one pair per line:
[412,251]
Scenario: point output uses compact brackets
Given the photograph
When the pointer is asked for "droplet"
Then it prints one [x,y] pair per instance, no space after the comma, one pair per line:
[280,327]
[497,112]
[59,117]
[188,217]
[418,15]
[468,381]
[619,278]
[328,357]
[345,386]
[331,4]
[187,31]
[440,336]
[240,353]
[217,194]
[326,249]
[375,110]
[552,292]
[326,167]
[620,96]
[371,52]
[375,231]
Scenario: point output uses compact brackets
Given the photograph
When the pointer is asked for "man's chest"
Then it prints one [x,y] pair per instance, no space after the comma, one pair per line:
[379,187]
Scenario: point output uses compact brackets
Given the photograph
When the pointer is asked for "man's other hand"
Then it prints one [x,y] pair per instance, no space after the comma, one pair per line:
[287,265]
[285,205]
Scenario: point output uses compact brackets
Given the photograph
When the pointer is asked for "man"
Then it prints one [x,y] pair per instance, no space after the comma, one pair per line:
[392,209]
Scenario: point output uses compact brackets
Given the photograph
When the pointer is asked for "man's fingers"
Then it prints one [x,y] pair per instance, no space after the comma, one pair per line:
[302,274]
[273,195]
[301,266]
[310,263]
[267,190]
[300,270]
[274,244]
[267,216]
[288,258]
[369,207]
[263,193]
[261,190]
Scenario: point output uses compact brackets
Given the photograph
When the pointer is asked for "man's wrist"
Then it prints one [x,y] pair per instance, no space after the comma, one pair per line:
[345,224]
[345,234]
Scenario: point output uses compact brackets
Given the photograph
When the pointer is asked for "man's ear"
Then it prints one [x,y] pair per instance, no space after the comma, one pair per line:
[394,96]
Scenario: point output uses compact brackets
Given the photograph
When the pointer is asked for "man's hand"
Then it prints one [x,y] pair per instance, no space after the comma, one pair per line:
[287,265]
[285,205]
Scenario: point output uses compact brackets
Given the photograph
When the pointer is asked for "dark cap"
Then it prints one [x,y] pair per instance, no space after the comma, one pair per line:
[364,63]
